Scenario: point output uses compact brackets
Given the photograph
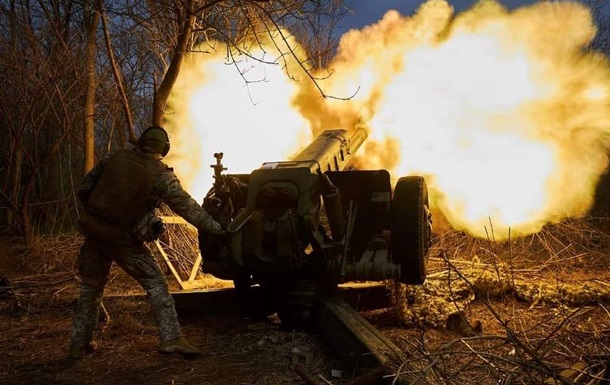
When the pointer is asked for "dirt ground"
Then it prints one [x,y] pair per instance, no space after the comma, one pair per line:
[34,336]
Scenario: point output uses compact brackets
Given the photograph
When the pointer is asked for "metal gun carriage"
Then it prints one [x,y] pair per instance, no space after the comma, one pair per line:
[299,228]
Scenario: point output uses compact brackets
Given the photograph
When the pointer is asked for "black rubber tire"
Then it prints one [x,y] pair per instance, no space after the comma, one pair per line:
[409,229]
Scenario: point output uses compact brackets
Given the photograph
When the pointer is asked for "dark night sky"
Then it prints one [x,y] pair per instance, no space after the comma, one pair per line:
[366,12]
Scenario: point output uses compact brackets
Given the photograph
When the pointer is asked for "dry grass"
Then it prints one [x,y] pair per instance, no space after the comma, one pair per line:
[541,302]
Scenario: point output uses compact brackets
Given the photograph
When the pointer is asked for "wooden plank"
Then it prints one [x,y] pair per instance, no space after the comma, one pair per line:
[169,264]
[354,338]
[175,220]
[195,268]
[190,283]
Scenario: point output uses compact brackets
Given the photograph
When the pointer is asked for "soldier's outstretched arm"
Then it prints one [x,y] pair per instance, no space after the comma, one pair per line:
[184,205]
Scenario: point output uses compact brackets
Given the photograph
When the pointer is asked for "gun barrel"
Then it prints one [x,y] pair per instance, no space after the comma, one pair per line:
[357,139]
[333,149]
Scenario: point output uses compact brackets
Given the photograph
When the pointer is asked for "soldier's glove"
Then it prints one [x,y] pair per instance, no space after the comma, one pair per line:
[224,237]
[224,225]
[213,206]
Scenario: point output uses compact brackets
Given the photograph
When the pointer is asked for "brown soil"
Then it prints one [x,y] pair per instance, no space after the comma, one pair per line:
[34,337]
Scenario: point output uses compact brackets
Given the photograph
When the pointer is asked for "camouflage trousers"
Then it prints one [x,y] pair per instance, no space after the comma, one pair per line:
[94,264]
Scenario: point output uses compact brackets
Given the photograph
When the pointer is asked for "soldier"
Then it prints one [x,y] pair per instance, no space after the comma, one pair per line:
[119,195]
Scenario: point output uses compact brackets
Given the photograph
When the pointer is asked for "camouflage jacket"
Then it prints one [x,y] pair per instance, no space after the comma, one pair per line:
[168,189]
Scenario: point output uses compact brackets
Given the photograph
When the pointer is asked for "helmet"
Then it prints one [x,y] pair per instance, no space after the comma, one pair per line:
[155,138]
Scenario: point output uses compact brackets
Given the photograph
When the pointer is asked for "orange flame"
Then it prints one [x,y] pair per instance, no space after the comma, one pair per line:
[506,114]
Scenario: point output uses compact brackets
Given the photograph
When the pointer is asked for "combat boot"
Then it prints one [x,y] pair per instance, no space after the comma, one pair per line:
[79,352]
[181,346]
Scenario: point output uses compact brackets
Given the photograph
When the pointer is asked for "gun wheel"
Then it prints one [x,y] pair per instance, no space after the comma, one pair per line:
[410,228]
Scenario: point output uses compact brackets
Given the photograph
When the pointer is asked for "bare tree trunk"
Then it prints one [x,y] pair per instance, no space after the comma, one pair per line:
[25,219]
[182,48]
[18,167]
[118,77]
[93,19]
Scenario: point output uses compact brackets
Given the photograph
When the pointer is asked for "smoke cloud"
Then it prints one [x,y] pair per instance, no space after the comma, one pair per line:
[506,113]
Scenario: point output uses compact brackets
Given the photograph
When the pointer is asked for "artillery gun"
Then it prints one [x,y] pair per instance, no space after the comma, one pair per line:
[298,228]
